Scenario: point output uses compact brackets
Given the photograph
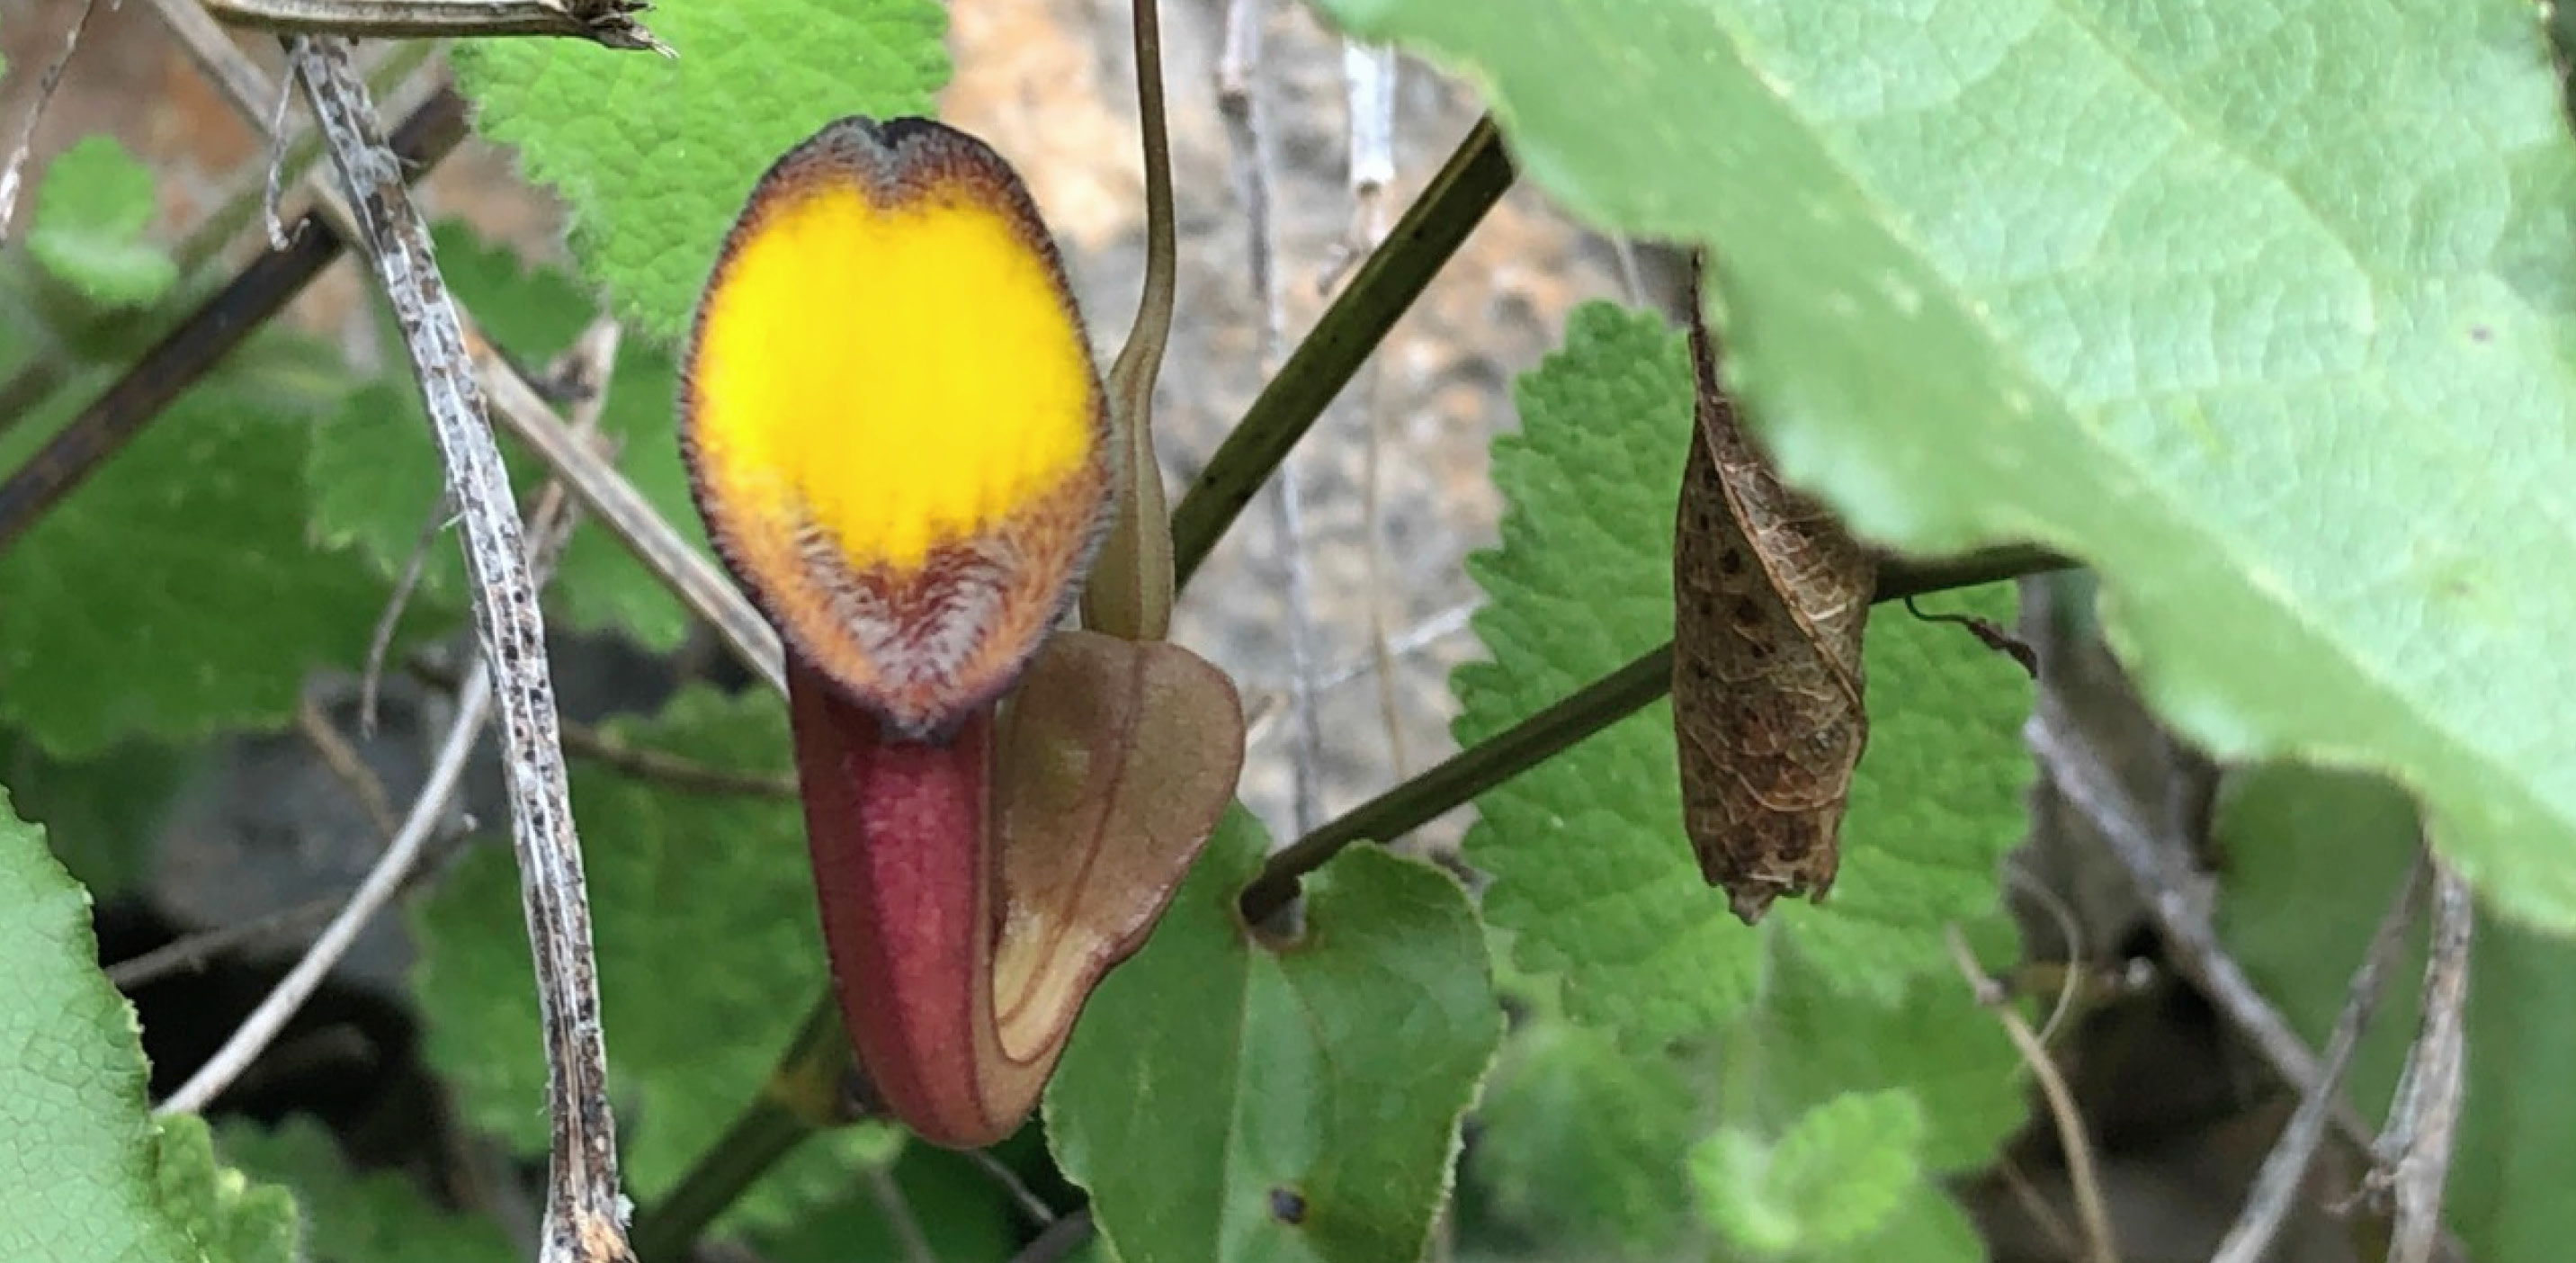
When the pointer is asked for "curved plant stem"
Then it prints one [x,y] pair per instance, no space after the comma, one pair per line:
[1587,710]
[1130,590]
[1431,230]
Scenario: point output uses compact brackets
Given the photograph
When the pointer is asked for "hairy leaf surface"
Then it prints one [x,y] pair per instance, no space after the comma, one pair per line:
[175,592]
[1592,871]
[654,155]
[2260,309]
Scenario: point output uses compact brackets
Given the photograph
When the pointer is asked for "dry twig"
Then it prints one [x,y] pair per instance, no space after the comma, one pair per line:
[1368,80]
[347,764]
[13,171]
[191,952]
[2179,916]
[670,770]
[2276,1185]
[1239,101]
[585,1214]
[604,493]
[606,22]
[392,871]
[2412,1160]
[2090,1209]
[383,880]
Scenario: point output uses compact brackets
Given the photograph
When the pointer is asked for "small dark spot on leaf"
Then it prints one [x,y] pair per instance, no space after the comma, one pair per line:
[2481,333]
[1288,1206]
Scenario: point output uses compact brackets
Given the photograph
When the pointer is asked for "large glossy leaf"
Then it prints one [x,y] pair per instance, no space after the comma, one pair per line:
[2263,309]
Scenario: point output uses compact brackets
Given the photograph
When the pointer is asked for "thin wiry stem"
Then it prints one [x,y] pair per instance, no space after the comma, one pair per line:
[1239,102]
[2415,1152]
[386,877]
[1059,1241]
[26,392]
[603,493]
[2193,945]
[14,170]
[669,770]
[1129,593]
[2092,1211]
[606,22]
[347,765]
[2276,1185]
[194,951]
[257,1031]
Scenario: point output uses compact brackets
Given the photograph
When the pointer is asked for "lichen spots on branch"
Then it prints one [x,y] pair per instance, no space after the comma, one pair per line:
[901,374]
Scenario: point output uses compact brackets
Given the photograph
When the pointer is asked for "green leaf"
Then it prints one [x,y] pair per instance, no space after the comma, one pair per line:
[88,230]
[2313,858]
[378,479]
[1591,869]
[175,593]
[220,1209]
[101,814]
[655,155]
[958,1208]
[1229,1100]
[1584,1142]
[351,1218]
[90,1175]
[703,917]
[2239,304]
[1833,1180]
[1809,1043]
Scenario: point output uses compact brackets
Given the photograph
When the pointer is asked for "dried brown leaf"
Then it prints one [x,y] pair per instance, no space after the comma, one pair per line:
[1770,597]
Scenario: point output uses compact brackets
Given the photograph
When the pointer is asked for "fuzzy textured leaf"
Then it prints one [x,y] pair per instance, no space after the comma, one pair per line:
[88,229]
[1833,1179]
[1585,1142]
[175,593]
[231,1219]
[377,1217]
[2313,858]
[655,155]
[703,916]
[1226,1100]
[85,1172]
[2238,303]
[1592,873]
